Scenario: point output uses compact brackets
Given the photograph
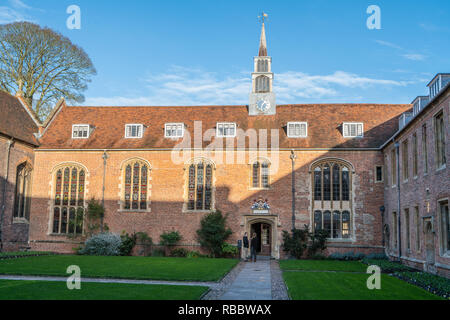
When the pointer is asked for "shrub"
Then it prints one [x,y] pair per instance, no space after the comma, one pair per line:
[94,217]
[318,242]
[377,256]
[179,252]
[128,243]
[229,250]
[347,256]
[213,232]
[296,243]
[318,256]
[143,239]
[169,239]
[103,244]
[158,253]
[195,254]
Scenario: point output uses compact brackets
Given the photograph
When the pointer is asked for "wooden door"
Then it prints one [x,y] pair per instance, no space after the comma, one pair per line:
[266,236]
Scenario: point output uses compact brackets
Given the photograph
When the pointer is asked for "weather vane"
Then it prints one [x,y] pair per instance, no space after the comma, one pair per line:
[263,17]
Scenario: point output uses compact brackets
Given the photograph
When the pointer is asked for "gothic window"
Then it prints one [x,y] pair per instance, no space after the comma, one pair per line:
[135,191]
[336,225]
[263,65]
[262,84]
[68,206]
[440,140]
[200,186]
[331,181]
[445,227]
[260,175]
[23,189]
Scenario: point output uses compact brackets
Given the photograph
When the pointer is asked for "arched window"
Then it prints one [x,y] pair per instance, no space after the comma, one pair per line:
[336,225]
[260,175]
[331,180]
[262,84]
[263,65]
[331,184]
[68,207]
[23,189]
[135,191]
[200,186]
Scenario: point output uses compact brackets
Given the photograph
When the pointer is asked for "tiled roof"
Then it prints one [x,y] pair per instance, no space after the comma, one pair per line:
[15,121]
[324,125]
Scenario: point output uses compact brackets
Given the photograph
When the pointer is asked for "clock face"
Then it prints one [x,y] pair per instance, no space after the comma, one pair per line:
[263,105]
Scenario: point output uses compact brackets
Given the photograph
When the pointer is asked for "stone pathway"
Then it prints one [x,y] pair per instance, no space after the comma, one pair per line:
[252,283]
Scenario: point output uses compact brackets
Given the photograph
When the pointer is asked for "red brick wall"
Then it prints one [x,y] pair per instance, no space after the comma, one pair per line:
[424,191]
[14,233]
[233,196]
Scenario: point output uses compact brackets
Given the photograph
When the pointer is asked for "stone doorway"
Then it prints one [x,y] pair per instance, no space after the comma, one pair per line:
[264,234]
[266,227]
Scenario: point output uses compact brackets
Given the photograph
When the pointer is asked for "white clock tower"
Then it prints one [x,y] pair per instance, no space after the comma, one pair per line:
[262,98]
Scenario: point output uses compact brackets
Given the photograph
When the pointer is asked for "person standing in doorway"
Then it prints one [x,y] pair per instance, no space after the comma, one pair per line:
[253,247]
[245,246]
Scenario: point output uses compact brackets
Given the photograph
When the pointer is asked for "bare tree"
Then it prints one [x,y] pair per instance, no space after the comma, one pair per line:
[43,65]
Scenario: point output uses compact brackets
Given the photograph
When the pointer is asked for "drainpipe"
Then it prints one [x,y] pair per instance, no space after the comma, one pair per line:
[382,210]
[399,229]
[8,152]
[293,157]
[104,157]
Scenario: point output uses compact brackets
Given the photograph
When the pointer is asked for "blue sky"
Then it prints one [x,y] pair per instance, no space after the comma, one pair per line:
[200,51]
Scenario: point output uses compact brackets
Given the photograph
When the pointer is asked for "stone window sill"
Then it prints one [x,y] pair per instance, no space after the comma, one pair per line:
[134,211]
[20,221]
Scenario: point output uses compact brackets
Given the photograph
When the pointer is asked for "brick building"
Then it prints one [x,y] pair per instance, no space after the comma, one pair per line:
[17,144]
[417,185]
[267,166]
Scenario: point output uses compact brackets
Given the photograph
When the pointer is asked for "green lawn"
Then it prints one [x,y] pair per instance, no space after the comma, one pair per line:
[323,265]
[46,290]
[349,286]
[183,269]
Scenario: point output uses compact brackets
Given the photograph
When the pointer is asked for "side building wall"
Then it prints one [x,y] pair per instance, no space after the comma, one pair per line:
[422,194]
[14,231]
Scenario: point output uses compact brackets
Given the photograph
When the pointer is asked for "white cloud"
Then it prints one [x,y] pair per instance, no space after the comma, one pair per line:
[409,56]
[19,4]
[388,44]
[8,15]
[185,86]
[16,11]
[414,56]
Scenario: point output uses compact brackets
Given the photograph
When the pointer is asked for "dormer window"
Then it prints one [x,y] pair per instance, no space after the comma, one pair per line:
[80,131]
[297,129]
[134,131]
[353,129]
[174,130]
[226,130]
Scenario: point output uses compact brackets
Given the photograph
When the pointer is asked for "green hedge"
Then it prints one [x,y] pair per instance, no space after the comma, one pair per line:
[19,254]
[387,266]
[430,282]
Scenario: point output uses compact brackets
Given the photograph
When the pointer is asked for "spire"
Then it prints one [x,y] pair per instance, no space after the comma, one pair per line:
[263,43]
